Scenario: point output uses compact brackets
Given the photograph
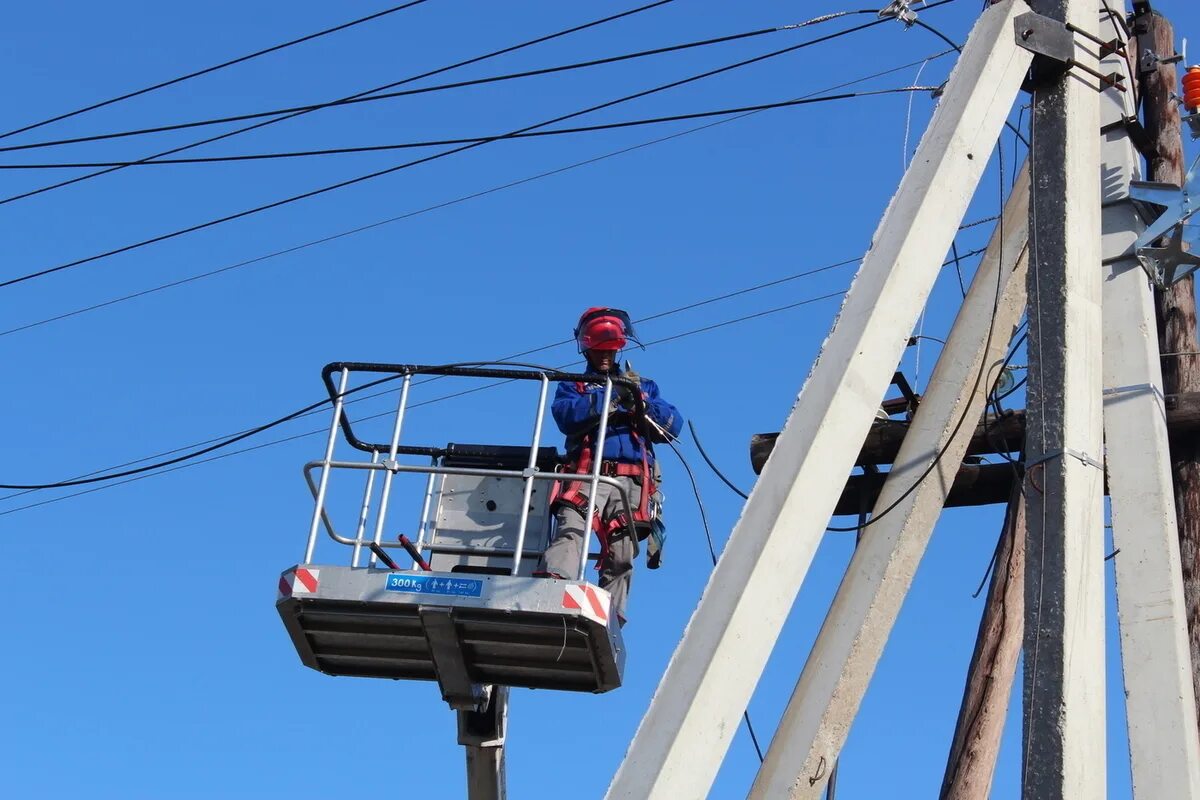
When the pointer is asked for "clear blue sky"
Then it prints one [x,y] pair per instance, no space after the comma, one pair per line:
[143,656]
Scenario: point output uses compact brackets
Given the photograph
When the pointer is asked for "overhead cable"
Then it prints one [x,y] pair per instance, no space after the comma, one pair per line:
[225,440]
[411,79]
[427,159]
[354,100]
[214,68]
[479,139]
[425,210]
[191,458]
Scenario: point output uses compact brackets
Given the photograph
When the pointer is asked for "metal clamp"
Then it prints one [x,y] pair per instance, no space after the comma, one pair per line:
[1053,42]
[1083,457]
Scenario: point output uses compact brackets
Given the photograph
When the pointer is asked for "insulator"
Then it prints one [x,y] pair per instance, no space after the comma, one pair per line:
[1191,89]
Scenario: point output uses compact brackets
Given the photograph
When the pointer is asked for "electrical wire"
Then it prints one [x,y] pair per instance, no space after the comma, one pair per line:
[354,100]
[411,79]
[478,139]
[190,459]
[975,387]
[712,551]
[214,68]
[193,460]
[510,359]
[712,466]
[437,206]
[379,93]
[426,159]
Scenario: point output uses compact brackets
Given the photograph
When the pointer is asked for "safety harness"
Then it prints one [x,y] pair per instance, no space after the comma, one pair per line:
[581,460]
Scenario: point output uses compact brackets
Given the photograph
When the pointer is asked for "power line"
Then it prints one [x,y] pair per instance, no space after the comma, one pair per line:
[477,139]
[506,359]
[214,68]
[191,460]
[316,408]
[426,159]
[429,74]
[392,95]
[427,209]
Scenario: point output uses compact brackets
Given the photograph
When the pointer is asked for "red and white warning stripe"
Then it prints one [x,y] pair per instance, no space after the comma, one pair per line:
[299,580]
[592,602]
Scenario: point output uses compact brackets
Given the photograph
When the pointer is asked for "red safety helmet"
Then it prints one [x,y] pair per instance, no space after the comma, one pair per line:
[603,329]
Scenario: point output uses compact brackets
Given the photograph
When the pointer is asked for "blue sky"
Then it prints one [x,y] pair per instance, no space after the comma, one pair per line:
[144,657]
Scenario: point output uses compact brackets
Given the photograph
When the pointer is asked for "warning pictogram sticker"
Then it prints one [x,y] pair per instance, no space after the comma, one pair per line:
[592,602]
[299,580]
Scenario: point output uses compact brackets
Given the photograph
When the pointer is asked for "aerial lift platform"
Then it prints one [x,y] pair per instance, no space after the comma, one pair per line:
[467,613]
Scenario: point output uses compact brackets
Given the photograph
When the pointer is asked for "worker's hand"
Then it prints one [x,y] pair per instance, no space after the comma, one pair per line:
[623,395]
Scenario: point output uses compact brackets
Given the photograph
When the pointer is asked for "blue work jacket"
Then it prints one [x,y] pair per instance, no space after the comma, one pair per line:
[578,415]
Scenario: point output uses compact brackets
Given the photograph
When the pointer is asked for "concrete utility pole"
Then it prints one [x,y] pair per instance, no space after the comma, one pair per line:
[1176,304]
[1063,749]
[972,762]
[686,731]
[1160,706]
[848,648]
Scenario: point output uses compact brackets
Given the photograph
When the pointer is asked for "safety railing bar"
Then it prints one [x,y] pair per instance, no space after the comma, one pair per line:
[469,471]
[324,484]
[530,470]
[465,549]
[401,407]
[327,523]
[482,472]
[364,513]
[597,463]
[532,372]
[423,523]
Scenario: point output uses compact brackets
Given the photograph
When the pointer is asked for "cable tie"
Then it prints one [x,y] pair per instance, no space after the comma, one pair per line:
[1066,451]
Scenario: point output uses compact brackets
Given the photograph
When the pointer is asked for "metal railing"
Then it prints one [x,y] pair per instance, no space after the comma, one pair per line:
[391,467]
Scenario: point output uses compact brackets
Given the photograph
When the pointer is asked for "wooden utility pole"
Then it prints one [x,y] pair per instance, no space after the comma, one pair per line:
[1176,305]
[976,743]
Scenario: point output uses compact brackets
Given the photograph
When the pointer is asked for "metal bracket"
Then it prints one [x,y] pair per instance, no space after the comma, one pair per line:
[1050,41]
[441,633]
[488,726]
[1053,42]
[1169,211]
[1151,61]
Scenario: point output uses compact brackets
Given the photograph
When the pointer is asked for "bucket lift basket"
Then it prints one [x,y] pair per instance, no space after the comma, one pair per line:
[476,618]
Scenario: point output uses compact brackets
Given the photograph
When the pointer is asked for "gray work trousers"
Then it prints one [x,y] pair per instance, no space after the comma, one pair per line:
[616,565]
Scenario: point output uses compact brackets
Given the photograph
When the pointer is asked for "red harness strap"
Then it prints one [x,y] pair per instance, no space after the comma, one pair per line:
[582,463]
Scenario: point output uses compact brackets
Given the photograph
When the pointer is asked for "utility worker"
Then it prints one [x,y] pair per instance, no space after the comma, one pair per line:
[637,417]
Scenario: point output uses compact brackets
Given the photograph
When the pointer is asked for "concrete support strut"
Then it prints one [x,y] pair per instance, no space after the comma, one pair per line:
[1160,704]
[691,720]
[848,648]
[1063,751]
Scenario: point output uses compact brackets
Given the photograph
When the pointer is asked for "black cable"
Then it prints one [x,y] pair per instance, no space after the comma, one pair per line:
[510,358]
[435,207]
[712,551]
[379,94]
[713,466]
[429,74]
[426,159]
[962,287]
[223,441]
[477,139]
[214,68]
[392,95]
[258,429]
[979,375]
[177,463]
